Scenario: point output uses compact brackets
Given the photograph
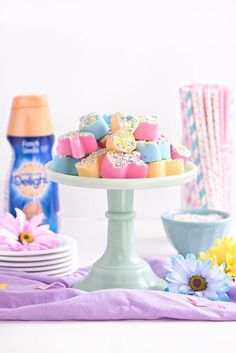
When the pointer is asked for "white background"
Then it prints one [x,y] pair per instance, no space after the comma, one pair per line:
[104,56]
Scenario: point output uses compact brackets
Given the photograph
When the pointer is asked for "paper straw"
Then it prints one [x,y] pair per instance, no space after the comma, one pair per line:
[206,113]
[212,152]
[199,118]
[185,199]
[217,125]
[226,113]
[195,146]
[227,107]
[230,141]
[188,191]
[202,177]
[206,148]
[221,109]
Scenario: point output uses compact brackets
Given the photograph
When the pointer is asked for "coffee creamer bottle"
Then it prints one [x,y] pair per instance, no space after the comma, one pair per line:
[31,137]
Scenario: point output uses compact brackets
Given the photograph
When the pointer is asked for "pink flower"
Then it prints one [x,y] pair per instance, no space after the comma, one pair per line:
[18,234]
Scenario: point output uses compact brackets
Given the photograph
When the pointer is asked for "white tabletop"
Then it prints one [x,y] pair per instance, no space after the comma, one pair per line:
[122,336]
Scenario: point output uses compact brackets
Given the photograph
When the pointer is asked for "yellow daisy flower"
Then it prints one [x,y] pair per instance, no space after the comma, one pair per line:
[224,251]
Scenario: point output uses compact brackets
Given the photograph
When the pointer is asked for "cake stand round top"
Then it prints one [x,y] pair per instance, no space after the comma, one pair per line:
[123,184]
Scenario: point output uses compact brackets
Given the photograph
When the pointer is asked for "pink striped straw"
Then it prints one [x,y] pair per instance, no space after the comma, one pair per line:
[212,151]
[194,198]
[203,141]
[201,144]
[225,95]
[217,133]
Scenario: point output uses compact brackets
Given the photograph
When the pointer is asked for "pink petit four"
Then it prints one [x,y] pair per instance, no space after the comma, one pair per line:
[83,143]
[179,151]
[76,144]
[120,165]
[148,129]
[64,146]
[137,168]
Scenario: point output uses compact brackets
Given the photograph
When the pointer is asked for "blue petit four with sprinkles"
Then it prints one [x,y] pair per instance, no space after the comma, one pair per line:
[165,147]
[94,123]
[107,118]
[150,151]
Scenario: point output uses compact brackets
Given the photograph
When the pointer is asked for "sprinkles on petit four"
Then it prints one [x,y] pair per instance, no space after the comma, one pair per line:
[94,123]
[122,141]
[179,151]
[86,120]
[119,146]
[149,119]
[147,129]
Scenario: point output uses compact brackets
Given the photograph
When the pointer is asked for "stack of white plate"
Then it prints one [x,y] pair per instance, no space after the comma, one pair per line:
[53,262]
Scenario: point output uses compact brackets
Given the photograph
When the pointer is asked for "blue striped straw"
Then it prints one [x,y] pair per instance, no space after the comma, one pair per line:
[195,148]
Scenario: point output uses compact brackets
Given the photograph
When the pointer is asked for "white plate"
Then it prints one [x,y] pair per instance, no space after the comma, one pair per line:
[19,259]
[72,255]
[61,266]
[67,243]
[59,272]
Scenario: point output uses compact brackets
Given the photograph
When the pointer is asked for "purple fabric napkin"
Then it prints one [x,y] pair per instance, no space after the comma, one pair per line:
[37,297]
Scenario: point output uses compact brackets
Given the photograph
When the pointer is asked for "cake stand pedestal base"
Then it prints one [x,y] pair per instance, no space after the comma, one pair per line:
[120,266]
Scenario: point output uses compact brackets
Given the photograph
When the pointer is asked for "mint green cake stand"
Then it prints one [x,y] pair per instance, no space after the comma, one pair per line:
[120,266]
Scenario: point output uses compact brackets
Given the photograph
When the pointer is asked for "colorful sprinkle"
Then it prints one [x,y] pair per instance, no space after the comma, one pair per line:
[121,160]
[124,141]
[123,136]
[193,217]
[89,119]
[67,135]
[181,149]
[92,157]
[148,119]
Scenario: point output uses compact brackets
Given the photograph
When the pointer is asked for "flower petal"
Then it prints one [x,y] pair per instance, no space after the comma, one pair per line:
[179,264]
[21,219]
[12,244]
[176,277]
[185,289]
[7,221]
[181,269]
[7,234]
[173,287]
[34,222]
[44,229]
[46,241]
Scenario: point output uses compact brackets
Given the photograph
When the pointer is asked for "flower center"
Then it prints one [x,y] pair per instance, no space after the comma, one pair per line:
[197,283]
[25,237]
